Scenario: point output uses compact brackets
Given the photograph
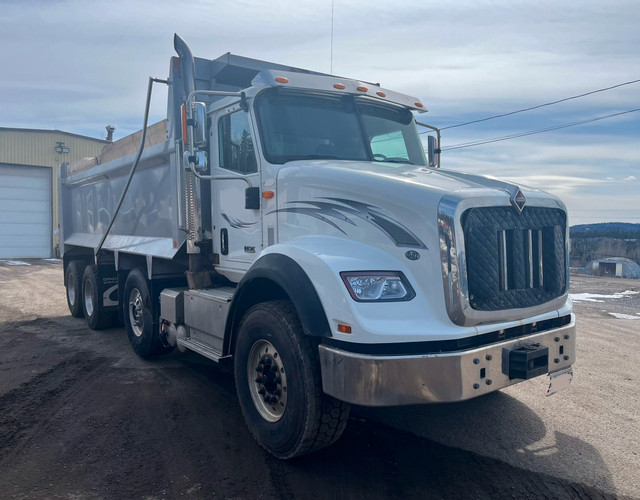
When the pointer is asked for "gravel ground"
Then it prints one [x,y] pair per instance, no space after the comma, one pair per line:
[82,417]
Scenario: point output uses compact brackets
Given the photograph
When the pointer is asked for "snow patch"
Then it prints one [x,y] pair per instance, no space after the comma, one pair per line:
[625,316]
[595,297]
[14,263]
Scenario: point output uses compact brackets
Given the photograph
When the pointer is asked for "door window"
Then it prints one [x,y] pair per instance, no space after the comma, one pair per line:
[236,144]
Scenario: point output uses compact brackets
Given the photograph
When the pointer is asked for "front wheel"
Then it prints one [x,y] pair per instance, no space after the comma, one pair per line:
[279,384]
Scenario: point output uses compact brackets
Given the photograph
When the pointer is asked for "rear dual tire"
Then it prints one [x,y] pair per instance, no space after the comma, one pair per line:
[73,281]
[92,301]
[140,319]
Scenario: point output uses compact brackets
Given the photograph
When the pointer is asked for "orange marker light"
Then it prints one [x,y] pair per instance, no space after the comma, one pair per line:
[381,94]
[339,86]
[184,124]
[363,89]
[344,328]
[282,79]
[267,195]
[419,105]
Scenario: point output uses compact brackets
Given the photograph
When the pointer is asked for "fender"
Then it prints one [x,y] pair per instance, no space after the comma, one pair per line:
[294,282]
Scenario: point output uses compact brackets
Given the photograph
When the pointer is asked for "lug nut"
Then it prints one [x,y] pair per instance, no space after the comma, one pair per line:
[476,361]
[476,386]
[262,391]
[488,357]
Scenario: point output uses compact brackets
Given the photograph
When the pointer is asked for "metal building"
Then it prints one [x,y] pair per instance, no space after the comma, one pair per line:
[615,267]
[29,162]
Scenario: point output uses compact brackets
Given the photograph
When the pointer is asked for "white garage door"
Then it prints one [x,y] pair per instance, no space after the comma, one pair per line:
[25,212]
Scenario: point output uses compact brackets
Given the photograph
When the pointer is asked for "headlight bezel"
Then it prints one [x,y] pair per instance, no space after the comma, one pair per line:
[346,275]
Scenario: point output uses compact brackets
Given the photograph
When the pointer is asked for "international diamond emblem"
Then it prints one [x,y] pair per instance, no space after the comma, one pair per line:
[518,201]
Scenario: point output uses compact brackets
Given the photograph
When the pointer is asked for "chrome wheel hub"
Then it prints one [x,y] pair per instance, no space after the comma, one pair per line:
[88,297]
[71,291]
[267,381]
[136,312]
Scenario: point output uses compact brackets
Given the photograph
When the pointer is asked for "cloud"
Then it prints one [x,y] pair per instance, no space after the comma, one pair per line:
[77,66]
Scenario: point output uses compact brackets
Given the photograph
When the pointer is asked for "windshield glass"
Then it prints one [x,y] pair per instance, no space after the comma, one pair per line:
[297,126]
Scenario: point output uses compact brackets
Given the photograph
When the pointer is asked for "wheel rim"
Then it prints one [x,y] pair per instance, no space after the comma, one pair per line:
[267,381]
[88,297]
[136,312]
[71,289]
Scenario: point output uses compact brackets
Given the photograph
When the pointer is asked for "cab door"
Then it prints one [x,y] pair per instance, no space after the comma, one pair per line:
[236,214]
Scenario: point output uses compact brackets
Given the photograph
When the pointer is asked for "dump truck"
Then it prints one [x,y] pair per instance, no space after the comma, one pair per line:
[296,227]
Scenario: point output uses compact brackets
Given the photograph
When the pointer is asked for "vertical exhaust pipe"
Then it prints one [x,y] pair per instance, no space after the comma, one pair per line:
[198,275]
[187,64]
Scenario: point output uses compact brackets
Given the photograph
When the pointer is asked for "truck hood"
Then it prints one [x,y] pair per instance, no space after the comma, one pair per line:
[399,200]
[396,174]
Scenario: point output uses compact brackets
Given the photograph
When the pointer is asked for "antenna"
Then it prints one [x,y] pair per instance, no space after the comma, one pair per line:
[331,70]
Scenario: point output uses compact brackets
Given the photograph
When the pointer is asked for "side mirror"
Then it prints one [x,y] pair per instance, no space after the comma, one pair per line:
[433,151]
[200,125]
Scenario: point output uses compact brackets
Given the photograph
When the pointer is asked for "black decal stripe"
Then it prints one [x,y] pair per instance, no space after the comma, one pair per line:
[322,210]
[402,236]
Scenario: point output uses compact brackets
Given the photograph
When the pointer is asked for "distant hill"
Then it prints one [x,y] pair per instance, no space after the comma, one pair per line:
[618,230]
[606,239]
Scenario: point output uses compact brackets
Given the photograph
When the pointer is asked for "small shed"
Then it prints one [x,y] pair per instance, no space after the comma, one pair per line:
[616,267]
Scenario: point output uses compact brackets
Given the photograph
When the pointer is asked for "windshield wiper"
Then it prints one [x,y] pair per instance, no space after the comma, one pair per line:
[395,160]
[311,157]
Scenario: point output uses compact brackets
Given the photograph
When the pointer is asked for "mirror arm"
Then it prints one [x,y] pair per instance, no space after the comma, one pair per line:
[437,130]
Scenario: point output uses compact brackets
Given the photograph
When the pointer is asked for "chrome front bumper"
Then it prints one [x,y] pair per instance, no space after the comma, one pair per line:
[371,380]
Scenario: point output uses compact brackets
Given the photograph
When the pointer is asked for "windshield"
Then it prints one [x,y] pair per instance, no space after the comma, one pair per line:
[297,126]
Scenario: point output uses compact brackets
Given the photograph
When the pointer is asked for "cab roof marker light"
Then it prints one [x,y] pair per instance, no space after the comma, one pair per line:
[381,94]
[362,88]
[419,105]
[339,86]
[282,79]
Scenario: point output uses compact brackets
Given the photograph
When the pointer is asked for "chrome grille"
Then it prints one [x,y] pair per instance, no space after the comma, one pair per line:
[514,260]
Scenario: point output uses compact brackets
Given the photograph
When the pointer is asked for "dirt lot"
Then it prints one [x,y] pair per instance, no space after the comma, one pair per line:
[82,417]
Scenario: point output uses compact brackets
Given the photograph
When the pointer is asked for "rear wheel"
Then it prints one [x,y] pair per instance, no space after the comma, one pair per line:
[73,279]
[92,305]
[279,384]
[140,319]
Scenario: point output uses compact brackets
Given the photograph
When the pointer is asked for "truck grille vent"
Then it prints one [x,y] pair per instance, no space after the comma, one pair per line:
[514,261]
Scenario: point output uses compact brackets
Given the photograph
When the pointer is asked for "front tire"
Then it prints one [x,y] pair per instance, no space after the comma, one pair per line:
[279,384]
[140,320]
[73,279]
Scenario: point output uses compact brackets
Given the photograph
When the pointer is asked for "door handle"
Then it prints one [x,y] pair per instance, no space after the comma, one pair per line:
[224,241]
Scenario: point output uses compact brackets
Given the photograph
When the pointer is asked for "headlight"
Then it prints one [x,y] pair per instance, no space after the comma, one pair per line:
[377,286]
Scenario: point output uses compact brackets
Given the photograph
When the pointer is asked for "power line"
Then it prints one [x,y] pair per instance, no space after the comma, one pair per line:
[532,132]
[539,105]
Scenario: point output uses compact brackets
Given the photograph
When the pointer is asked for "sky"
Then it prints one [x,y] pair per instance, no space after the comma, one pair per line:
[77,66]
